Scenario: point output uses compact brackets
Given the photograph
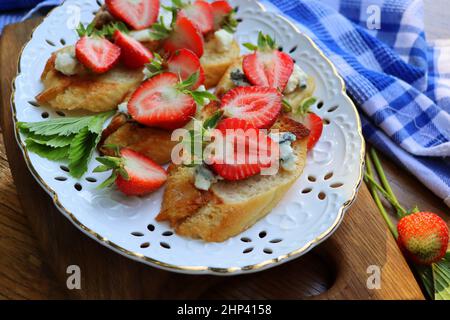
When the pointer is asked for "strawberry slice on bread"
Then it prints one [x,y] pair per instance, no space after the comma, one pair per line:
[185,63]
[96,53]
[138,14]
[159,103]
[133,53]
[201,14]
[185,35]
[267,66]
[259,106]
[250,147]
[133,173]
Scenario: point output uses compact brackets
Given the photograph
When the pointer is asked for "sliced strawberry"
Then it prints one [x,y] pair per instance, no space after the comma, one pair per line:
[185,35]
[257,105]
[133,53]
[220,10]
[249,146]
[158,103]
[98,54]
[185,63]
[144,175]
[268,68]
[201,15]
[315,125]
[138,14]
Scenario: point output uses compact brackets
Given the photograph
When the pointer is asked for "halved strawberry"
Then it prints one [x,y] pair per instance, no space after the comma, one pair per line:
[315,125]
[267,66]
[245,158]
[221,9]
[185,35]
[185,63]
[158,103]
[201,14]
[133,173]
[133,53]
[138,14]
[144,175]
[98,54]
[257,105]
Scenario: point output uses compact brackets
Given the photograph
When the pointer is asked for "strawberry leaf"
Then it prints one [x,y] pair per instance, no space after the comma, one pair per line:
[287,107]
[80,152]
[108,182]
[50,153]
[155,67]
[159,30]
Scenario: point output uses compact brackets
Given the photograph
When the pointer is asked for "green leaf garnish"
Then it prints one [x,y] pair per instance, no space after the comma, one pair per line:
[287,107]
[107,31]
[265,43]
[159,30]
[70,139]
[230,22]
[156,66]
[116,164]
[200,97]
[305,105]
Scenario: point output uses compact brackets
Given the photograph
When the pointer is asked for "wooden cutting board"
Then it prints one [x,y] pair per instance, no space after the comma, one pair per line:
[337,269]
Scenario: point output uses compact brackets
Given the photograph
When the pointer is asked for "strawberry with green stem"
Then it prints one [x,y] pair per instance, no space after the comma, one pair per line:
[166,102]
[133,173]
[224,16]
[422,236]
[267,66]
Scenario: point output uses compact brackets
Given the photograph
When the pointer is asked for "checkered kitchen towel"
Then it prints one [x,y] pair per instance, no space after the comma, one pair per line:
[400,82]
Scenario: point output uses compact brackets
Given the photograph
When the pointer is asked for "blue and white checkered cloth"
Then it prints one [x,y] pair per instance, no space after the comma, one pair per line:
[399,81]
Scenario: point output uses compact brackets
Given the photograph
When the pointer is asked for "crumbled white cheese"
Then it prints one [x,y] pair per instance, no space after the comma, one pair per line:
[204,178]
[141,35]
[224,40]
[298,79]
[206,101]
[287,157]
[123,107]
[66,62]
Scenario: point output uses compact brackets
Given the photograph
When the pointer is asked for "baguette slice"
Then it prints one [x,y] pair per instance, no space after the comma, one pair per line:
[228,208]
[215,63]
[85,90]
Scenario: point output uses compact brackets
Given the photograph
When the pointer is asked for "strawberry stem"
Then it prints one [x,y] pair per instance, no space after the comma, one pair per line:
[386,184]
[373,191]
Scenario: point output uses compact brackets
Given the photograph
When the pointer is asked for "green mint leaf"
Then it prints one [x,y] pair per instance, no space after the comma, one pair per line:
[212,122]
[51,141]
[53,154]
[80,152]
[96,123]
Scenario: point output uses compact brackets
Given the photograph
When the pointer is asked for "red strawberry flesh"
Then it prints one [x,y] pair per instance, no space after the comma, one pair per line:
[185,63]
[138,14]
[315,125]
[157,103]
[201,15]
[185,35]
[133,53]
[98,54]
[268,68]
[144,175]
[257,105]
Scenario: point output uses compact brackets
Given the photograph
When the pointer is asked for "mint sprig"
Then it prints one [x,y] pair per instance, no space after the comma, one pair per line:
[107,31]
[69,139]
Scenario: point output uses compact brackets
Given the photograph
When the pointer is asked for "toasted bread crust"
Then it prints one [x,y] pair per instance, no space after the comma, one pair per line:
[151,142]
[215,63]
[87,91]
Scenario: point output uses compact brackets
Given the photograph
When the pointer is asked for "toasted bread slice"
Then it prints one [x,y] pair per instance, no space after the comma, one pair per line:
[228,208]
[215,63]
[151,142]
[85,90]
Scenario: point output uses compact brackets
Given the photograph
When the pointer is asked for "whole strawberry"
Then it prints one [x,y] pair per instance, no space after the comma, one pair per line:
[423,236]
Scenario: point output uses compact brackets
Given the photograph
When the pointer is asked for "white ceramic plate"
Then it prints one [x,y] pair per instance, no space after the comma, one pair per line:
[308,214]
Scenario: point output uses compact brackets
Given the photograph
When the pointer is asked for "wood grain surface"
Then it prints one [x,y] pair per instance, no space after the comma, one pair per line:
[38,243]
